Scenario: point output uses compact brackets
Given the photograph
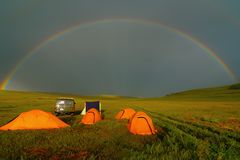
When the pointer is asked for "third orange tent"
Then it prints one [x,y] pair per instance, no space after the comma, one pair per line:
[126,113]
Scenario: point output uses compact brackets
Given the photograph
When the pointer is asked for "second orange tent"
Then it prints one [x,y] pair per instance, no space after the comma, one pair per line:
[92,116]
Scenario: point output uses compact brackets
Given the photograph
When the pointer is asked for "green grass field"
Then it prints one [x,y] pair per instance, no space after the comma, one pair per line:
[197,124]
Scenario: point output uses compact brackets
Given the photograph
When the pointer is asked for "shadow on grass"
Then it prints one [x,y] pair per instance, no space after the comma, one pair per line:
[69,119]
[162,133]
[78,112]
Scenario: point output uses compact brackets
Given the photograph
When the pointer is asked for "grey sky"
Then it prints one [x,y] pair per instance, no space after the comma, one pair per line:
[119,57]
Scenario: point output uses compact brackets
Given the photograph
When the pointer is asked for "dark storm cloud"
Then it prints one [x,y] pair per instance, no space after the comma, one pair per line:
[92,60]
[25,24]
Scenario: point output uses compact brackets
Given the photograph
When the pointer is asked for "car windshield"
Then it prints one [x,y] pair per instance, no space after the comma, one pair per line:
[65,102]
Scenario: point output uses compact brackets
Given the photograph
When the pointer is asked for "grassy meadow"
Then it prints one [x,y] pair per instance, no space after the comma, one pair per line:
[197,124]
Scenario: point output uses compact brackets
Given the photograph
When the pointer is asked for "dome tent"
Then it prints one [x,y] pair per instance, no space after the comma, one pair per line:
[126,113]
[141,124]
[34,119]
[92,116]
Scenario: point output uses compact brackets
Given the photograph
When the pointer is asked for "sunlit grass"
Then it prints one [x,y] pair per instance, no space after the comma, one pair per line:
[190,127]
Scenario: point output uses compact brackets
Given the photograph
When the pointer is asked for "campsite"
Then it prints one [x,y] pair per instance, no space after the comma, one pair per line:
[197,124]
[120,80]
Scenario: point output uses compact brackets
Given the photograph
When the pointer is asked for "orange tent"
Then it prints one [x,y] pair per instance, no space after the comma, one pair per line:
[92,116]
[141,124]
[126,113]
[34,119]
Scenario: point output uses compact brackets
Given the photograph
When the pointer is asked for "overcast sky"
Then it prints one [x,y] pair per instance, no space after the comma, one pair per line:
[121,57]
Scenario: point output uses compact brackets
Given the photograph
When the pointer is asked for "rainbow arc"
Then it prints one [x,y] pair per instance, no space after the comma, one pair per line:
[76,26]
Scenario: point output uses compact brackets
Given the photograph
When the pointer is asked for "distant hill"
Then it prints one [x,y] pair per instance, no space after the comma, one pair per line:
[22,94]
[230,92]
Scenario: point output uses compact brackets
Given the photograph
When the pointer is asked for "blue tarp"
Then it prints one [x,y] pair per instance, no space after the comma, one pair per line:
[95,105]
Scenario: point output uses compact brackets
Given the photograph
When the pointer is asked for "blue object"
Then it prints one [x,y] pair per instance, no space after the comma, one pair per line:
[95,105]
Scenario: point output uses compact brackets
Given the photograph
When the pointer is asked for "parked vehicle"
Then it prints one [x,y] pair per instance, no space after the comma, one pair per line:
[65,106]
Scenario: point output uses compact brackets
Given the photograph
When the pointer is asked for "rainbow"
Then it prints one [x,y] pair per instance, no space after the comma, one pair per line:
[76,26]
